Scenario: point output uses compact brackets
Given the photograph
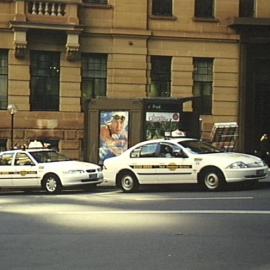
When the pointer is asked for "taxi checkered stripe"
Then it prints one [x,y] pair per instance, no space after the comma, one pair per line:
[18,172]
[169,166]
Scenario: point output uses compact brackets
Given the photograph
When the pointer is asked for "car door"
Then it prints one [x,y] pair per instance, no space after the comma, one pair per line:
[174,166]
[6,169]
[143,161]
[26,173]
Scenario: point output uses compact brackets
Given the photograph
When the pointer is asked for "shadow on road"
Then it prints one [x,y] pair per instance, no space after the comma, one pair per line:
[196,188]
[17,192]
[143,189]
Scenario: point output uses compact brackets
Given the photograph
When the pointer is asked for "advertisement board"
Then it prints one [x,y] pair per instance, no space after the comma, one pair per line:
[113,135]
[158,124]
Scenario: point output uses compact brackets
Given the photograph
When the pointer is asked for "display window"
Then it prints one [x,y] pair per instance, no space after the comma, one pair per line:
[160,124]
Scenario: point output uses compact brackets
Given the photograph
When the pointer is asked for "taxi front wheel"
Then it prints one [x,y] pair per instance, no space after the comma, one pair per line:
[128,182]
[212,180]
[52,184]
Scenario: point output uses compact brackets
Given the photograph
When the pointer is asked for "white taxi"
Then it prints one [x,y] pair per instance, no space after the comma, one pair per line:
[46,169]
[181,160]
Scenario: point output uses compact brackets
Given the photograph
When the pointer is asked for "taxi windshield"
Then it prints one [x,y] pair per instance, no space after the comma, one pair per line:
[48,156]
[199,147]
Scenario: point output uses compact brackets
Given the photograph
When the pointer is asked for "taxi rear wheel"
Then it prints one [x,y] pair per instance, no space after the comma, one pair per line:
[128,182]
[52,184]
[212,180]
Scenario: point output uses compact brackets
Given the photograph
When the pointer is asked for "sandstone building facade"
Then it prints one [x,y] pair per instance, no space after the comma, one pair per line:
[56,55]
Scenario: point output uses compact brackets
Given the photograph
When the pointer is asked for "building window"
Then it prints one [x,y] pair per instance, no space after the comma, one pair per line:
[162,7]
[203,84]
[97,2]
[3,79]
[160,76]
[3,145]
[204,8]
[45,74]
[94,76]
[247,8]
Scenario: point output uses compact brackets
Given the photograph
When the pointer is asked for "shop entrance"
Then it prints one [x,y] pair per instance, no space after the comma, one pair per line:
[257,95]
[262,109]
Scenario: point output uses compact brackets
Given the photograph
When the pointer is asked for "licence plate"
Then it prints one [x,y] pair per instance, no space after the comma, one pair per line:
[260,172]
[92,176]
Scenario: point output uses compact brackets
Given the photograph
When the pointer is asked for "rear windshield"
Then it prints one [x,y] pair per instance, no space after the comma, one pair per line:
[48,156]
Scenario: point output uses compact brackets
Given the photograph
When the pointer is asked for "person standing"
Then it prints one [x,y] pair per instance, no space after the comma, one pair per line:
[265,148]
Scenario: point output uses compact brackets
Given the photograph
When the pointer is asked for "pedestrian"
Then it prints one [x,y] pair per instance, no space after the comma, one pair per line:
[265,148]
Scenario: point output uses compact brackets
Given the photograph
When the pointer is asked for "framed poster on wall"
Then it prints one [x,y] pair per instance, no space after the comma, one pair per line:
[157,124]
[113,135]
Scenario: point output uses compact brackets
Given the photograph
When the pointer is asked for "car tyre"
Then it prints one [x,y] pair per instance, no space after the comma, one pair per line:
[212,180]
[128,182]
[52,184]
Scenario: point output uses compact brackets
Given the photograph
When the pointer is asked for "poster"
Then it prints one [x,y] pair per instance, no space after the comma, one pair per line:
[113,133]
[159,124]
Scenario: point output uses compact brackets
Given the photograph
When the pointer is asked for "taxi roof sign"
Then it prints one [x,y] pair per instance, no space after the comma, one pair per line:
[35,144]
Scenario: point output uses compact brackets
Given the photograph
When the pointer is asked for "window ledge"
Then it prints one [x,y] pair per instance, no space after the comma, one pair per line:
[160,17]
[100,6]
[208,19]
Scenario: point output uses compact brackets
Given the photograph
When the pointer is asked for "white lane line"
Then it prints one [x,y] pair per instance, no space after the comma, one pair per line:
[200,198]
[139,212]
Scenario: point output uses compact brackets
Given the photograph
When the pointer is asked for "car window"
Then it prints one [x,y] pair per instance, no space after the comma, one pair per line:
[6,159]
[135,153]
[166,150]
[199,147]
[169,150]
[148,150]
[22,159]
[47,156]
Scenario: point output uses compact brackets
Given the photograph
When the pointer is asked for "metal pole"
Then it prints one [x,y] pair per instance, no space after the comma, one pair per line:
[12,129]
[12,109]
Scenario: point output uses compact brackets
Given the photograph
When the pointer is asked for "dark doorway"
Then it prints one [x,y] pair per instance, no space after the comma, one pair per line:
[257,95]
[262,108]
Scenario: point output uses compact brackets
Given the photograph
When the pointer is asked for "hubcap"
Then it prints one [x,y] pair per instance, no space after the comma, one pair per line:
[212,181]
[51,184]
[127,183]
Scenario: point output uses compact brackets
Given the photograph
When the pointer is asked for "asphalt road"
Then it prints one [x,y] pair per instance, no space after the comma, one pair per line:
[179,227]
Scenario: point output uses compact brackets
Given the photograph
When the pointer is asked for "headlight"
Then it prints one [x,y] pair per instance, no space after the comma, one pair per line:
[261,163]
[74,171]
[237,165]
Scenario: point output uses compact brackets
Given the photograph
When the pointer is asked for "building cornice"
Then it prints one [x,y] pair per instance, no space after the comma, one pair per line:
[155,34]
[25,26]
